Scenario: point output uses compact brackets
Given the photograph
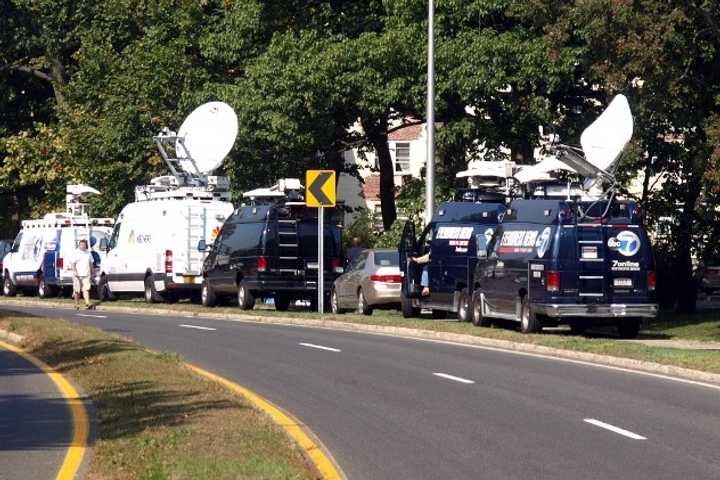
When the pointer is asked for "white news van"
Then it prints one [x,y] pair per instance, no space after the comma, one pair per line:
[40,256]
[155,245]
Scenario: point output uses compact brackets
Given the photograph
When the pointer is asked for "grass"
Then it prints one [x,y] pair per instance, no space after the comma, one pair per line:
[157,419]
[703,326]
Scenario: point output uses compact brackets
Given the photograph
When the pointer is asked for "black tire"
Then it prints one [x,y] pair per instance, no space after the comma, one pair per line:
[578,326]
[628,327]
[529,322]
[439,314]
[103,290]
[45,290]
[149,293]
[9,289]
[335,303]
[363,307]
[408,311]
[207,294]
[246,300]
[478,319]
[464,313]
[282,302]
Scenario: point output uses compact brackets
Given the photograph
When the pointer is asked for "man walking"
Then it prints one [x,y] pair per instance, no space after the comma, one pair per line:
[81,266]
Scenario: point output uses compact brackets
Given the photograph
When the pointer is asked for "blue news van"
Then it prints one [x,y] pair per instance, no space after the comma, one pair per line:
[451,239]
[563,261]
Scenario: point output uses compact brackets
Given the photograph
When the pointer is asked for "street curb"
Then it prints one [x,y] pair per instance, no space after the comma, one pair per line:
[12,337]
[640,366]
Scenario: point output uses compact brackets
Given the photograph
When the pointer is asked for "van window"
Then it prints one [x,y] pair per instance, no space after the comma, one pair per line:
[114,236]
[387,259]
[242,239]
[16,243]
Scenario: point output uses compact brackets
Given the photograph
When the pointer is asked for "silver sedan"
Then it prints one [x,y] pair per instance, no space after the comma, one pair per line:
[371,280]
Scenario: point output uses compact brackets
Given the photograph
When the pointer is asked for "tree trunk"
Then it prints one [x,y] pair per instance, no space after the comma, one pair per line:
[686,283]
[59,79]
[376,131]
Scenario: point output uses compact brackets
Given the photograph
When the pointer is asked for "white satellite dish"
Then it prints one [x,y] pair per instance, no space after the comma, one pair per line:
[208,135]
[605,139]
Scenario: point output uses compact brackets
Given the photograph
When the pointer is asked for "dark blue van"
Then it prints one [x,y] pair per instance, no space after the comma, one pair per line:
[451,239]
[563,261]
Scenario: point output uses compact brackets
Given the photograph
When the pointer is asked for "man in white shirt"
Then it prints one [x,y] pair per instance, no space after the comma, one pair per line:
[82,266]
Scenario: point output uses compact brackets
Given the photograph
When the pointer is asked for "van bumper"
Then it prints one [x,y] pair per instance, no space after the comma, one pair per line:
[555,310]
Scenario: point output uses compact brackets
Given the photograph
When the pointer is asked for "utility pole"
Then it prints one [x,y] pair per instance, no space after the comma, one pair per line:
[430,124]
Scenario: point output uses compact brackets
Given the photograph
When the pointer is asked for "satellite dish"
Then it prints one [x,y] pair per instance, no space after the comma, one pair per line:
[541,170]
[605,139]
[208,135]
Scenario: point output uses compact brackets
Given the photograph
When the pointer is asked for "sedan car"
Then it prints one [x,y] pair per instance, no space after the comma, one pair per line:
[710,281]
[371,280]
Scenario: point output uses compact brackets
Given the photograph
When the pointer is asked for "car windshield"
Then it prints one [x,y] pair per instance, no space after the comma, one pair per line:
[386,259]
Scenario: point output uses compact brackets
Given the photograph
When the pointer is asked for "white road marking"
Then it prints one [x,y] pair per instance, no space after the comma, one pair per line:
[613,428]
[320,347]
[453,378]
[92,316]
[196,327]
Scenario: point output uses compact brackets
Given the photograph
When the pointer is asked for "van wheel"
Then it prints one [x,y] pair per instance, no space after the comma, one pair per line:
[103,289]
[9,290]
[362,306]
[282,302]
[464,308]
[628,328]
[335,303]
[478,319]
[578,326]
[151,295]
[439,314]
[207,294]
[408,311]
[246,300]
[45,290]
[529,322]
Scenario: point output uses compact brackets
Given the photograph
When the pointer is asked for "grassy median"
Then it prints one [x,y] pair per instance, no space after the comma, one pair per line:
[157,419]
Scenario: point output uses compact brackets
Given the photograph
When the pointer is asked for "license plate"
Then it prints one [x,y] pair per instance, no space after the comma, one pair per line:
[589,252]
[623,282]
[188,279]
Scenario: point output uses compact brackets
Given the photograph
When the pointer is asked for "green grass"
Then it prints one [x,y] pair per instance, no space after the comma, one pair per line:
[157,419]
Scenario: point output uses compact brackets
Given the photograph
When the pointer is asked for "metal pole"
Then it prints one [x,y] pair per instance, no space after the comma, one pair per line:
[321,262]
[430,125]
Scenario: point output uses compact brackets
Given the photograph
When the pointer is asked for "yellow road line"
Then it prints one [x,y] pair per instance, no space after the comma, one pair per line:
[292,426]
[81,424]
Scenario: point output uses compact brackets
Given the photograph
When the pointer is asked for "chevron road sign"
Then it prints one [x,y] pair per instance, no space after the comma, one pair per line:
[320,188]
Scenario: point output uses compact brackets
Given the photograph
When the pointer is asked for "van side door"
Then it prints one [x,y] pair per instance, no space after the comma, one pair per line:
[411,271]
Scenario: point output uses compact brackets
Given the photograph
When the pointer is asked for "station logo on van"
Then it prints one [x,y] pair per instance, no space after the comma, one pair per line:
[518,241]
[626,243]
[543,242]
[140,238]
[458,237]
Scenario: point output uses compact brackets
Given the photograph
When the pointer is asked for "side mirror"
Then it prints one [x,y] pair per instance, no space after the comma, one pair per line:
[202,245]
[103,247]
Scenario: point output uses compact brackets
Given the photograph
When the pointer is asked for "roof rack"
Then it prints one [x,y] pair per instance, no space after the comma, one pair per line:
[288,191]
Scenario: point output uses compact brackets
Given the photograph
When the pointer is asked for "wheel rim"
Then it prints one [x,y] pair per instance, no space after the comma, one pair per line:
[241,295]
[477,311]
[524,317]
[41,288]
[203,293]
[148,292]
[334,302]
[361,302]
[463,308]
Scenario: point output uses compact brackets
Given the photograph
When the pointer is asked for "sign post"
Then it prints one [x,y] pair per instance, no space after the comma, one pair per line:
[320,193]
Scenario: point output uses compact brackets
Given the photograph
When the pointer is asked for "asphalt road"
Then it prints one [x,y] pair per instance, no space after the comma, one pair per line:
[35,422]
[393,408]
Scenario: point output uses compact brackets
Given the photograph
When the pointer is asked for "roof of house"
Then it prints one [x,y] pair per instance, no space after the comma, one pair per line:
[408,133]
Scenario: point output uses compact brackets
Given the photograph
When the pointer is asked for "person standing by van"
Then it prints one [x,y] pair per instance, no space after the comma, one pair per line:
[82,265]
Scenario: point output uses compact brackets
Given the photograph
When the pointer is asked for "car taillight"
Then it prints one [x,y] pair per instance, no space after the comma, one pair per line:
[59,263]
[336,265]
[386,278]
[651,280]
[552,281]
[168,261]
[262,264]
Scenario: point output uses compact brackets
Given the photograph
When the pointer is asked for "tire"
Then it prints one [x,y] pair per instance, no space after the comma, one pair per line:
[207,294]
[464,313]
[282,302]
[103,290]
[478,319]
[628,328]
[362,306]
[578,326]
[335,303]
[439,314]
[150,294]
[408,311]
[246,300]
[45,290]
[529,322]
[9,289]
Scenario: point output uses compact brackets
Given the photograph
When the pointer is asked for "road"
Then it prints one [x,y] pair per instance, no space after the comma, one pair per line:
[35,422]
[393,408]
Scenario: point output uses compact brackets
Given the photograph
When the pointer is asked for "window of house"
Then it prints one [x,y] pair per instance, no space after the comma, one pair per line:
[402,158]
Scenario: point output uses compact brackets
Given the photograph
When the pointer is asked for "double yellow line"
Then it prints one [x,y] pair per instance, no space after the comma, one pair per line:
[80,421]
